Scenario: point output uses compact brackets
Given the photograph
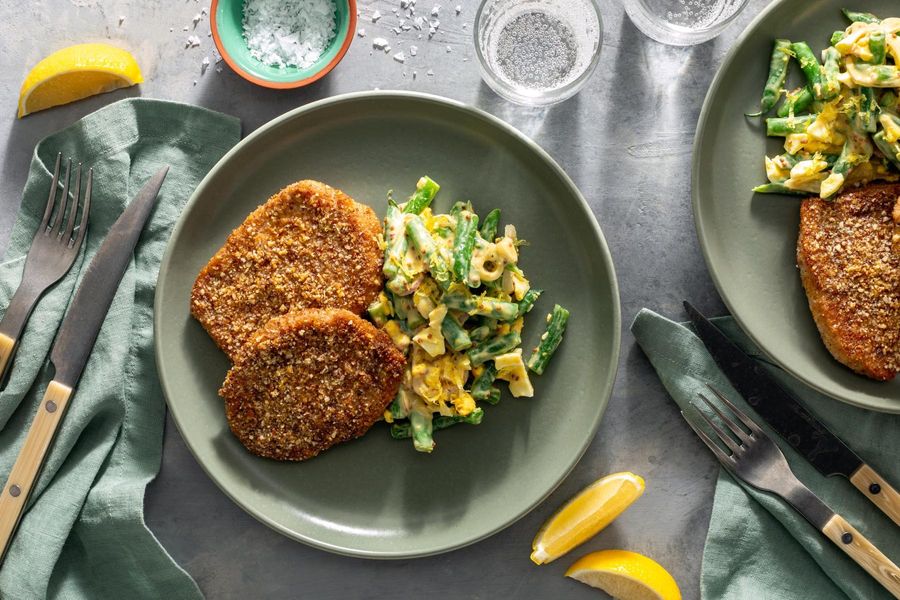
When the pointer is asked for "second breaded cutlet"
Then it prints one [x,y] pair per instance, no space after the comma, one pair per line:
[309,380]
[309,246]
[848,252]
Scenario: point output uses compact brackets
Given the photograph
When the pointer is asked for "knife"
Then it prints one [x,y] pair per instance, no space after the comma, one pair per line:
[784,413]
[73,346]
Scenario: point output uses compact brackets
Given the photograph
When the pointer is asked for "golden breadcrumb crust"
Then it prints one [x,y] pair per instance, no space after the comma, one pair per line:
[849,262]
[308,380]
[309,246]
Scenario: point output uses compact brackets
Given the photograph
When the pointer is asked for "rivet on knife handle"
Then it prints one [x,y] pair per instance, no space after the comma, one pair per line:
[879,491]
[15,492]
[861,550]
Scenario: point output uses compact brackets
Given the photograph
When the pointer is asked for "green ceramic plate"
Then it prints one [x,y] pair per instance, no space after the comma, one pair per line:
[377,497]
[749,240]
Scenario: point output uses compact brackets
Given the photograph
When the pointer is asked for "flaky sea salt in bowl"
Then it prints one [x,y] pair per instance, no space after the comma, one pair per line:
[283,43]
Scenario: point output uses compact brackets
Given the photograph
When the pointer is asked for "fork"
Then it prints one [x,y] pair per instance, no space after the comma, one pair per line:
[755,458]
[52,252]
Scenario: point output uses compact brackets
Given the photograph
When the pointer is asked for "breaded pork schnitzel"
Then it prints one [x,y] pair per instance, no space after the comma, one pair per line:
[308,380]
[309,246]
[848,252]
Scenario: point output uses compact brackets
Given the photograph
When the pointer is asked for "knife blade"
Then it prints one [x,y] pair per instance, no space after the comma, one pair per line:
[793,422]
[74,343]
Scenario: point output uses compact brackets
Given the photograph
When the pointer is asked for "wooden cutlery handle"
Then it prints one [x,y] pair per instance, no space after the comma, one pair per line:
[14,494]
[879,491]
[7,345]
[864,553]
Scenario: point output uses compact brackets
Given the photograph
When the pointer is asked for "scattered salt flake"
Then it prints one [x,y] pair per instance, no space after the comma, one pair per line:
[387,49]
[400,57]
[121,20]
[171,29]
[435,10]
[430,72]
[396,30]
[379,43]
[414,74]
[404,4]
[413,50]
[192,42]
[466,59]
[419,22]
[204,10]
[361,32]
[375,16]
[185,28]
[195,82]
[394,10]
[458,9]
[196,19]
[465,25]
[204,65]
[406,27]
[218,69]
[449,49]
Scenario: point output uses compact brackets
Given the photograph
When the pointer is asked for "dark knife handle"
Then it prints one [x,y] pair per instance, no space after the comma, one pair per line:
[878,490]
[24,474]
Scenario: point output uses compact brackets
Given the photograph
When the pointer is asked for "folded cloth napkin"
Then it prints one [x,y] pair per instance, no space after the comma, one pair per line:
[757,546]
[83,535]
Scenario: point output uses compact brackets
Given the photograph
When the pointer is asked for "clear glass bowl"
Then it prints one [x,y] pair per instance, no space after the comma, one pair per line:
[537,52]
[683,22]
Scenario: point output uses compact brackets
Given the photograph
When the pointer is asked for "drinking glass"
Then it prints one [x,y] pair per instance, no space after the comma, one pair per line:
[683,22]
[537,52]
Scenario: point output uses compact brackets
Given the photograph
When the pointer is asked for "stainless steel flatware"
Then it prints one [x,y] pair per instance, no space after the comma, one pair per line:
[73,346]
[752,456]
[52,252]
[784,413]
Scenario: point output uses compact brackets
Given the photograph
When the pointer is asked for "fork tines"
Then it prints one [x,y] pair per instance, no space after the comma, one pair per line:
[744,437]
[51,224]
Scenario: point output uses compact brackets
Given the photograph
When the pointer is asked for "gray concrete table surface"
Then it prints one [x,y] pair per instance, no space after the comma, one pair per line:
[626,142]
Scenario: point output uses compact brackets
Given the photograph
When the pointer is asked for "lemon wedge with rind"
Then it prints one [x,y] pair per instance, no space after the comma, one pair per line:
[585,515]
[77,72]
[625,575]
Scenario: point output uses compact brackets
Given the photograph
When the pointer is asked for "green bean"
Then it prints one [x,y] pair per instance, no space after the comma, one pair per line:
[556,326]
[878,76]
[490,225]
[394,239]
[867,117]
[492,347]
[424,243]
[463,243]
[494,397]
[481,387]
[860,17]
[778,188]
[890,150]
[398,408]
[857,150]
[783,126]
[497,309]
[454,334]
[877,47]
[459,300]
[421,422]
[811,68]
[528,300]
[402,431]
[778,68]
[380,311]
[888,99]
[837,36]
[426,190]
[480,333]
[795,102]
[830,72]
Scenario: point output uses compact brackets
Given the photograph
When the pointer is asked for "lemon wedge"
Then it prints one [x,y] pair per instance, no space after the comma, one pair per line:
[77,72]
[585,515]
[625,576]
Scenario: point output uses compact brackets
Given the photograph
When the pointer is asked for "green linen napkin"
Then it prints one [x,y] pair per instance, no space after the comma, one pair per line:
[84,534]
[757,546]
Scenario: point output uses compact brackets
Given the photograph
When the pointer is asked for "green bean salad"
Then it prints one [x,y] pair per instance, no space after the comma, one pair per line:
[454,302]
[842,127]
